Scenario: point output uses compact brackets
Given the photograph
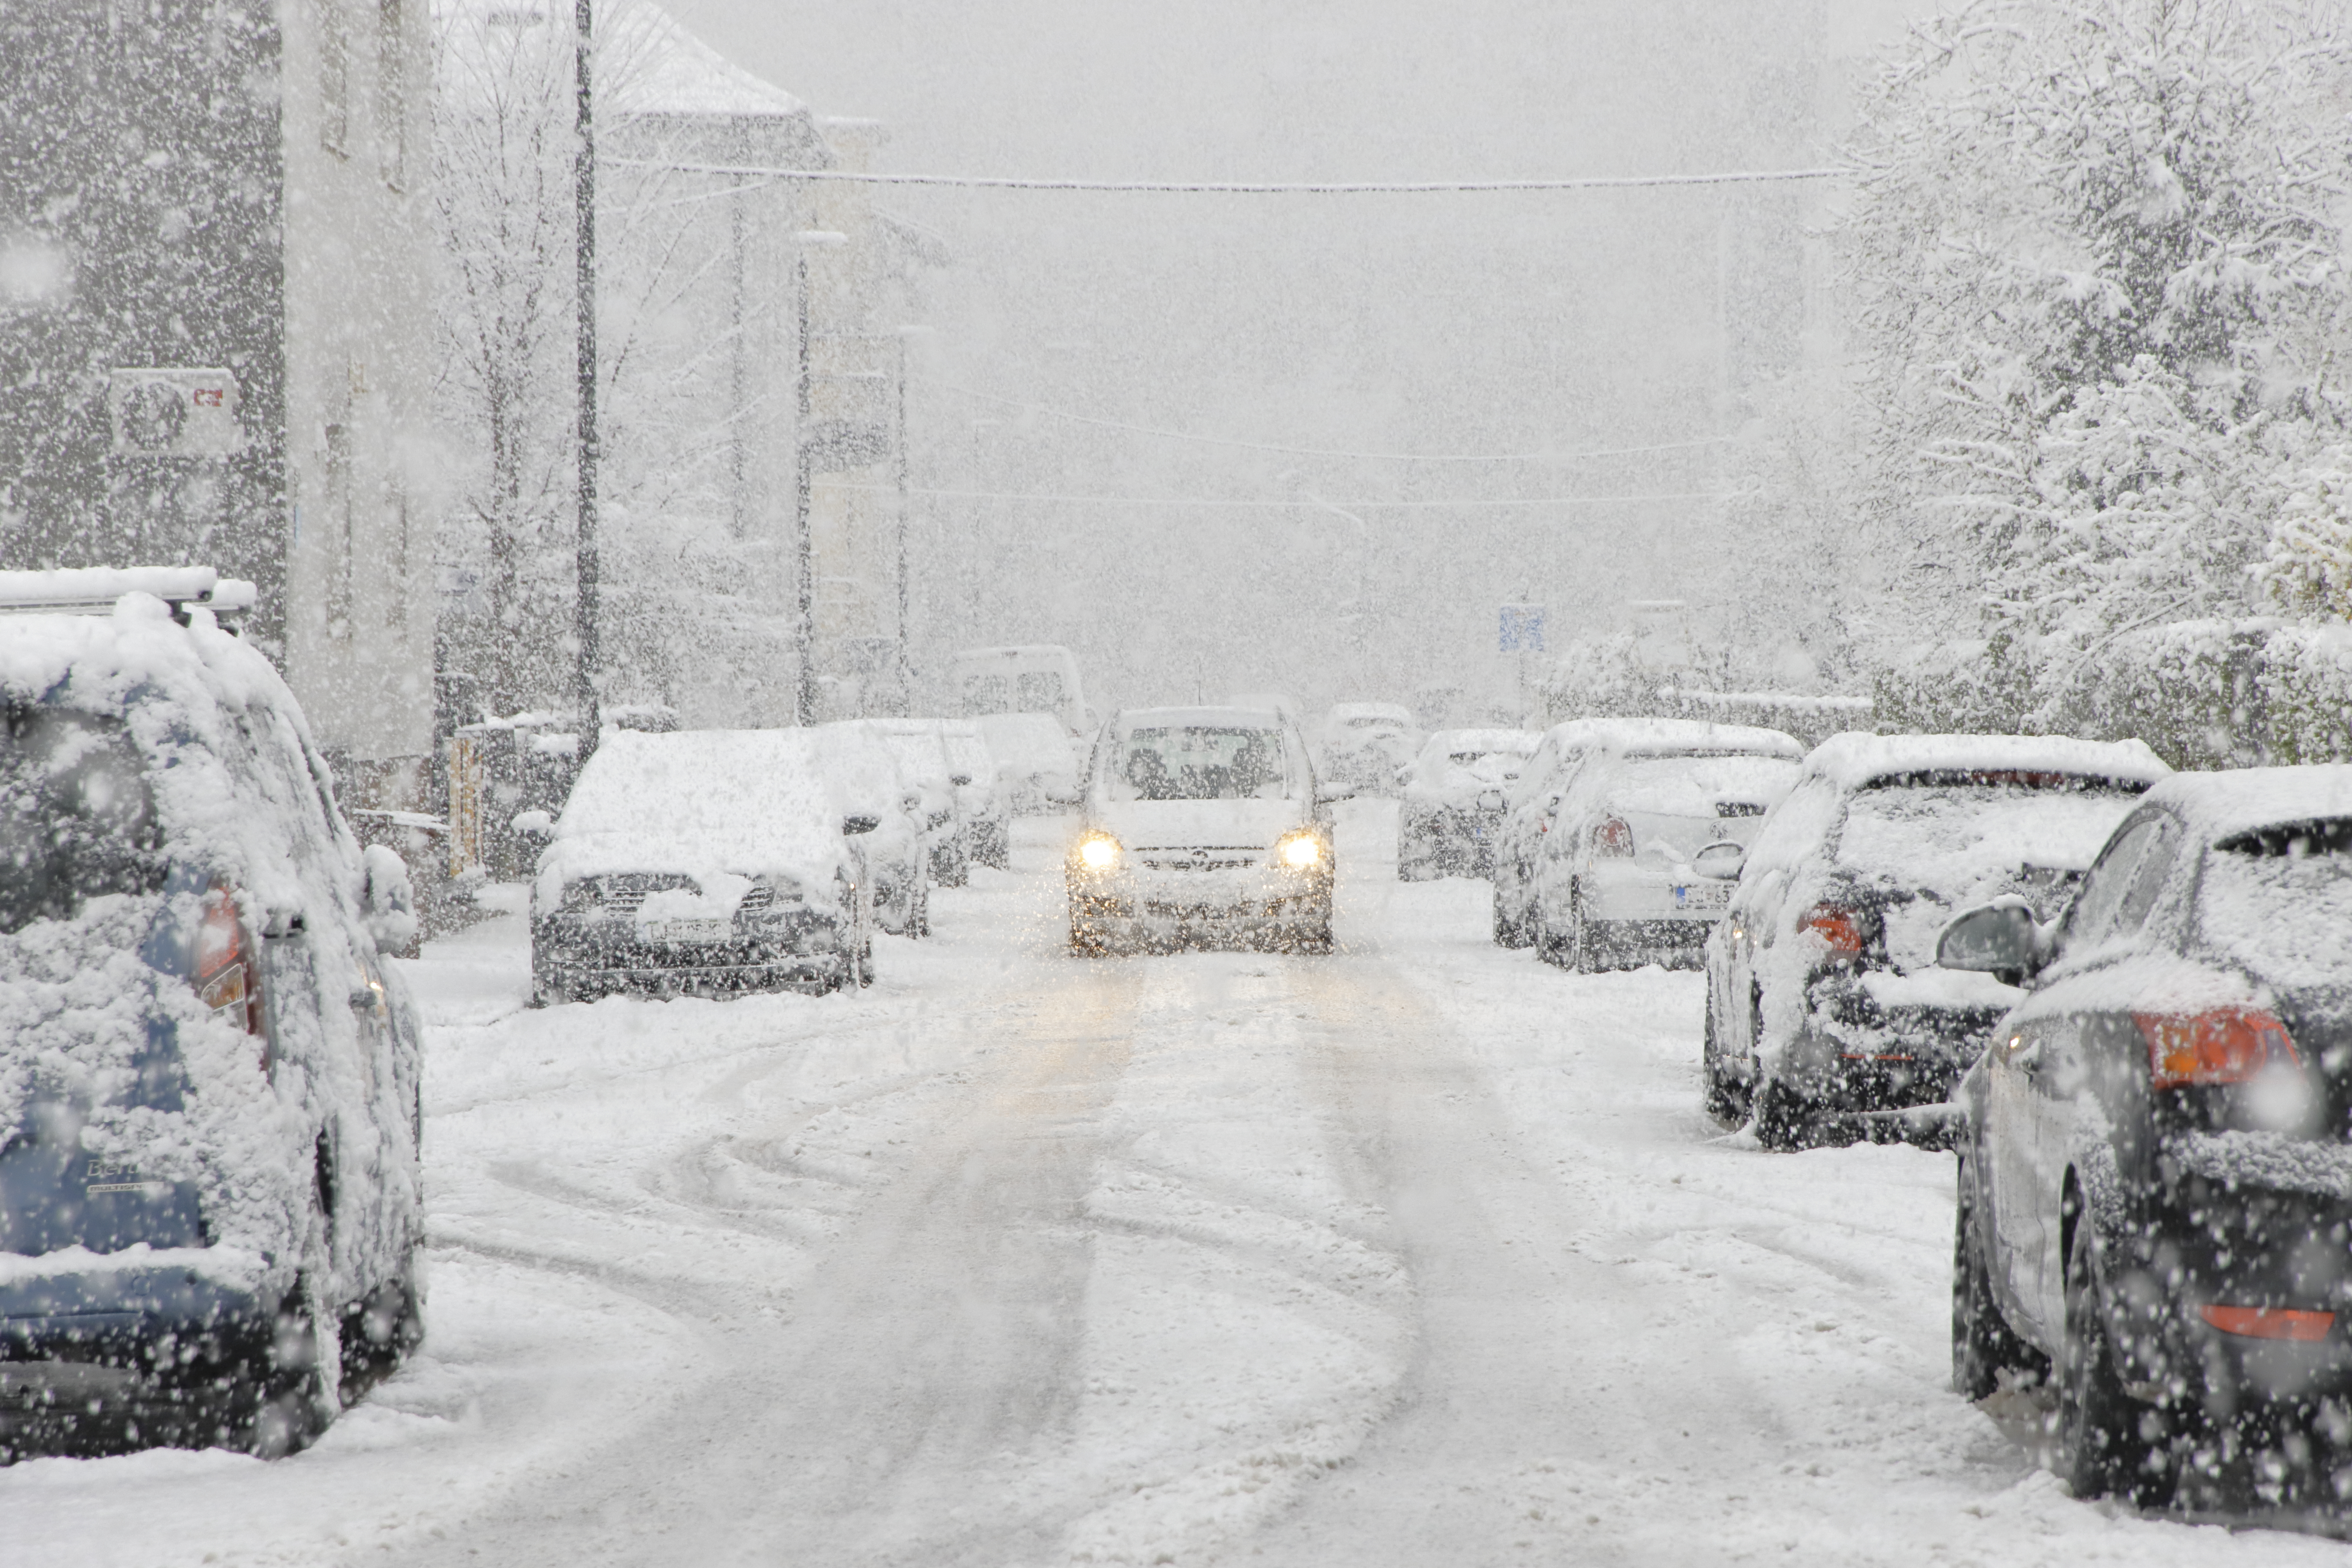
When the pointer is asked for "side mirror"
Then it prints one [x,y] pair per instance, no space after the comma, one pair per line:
[1721,861]
[1490,800]
[389,902]
[960,780]
[851,826]
[1999,939]
[1061,796]
[1334,792]
[534,827]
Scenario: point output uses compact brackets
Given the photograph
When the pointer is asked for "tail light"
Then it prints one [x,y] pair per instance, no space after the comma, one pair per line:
[1613,837]
[2269,1323]
[1838,929]
[2227,1044]
[225,979]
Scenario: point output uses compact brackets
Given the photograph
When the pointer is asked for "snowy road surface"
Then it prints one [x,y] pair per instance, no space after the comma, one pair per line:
[1422,1252]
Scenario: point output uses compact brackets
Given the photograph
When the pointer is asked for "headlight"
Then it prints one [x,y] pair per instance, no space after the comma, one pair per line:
[1301,851]
[1099,852]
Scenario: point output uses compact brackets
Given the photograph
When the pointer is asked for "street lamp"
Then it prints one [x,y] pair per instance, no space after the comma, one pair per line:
[804,556]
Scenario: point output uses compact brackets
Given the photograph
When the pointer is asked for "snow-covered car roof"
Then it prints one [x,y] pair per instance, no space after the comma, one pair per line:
[750,802]
[1854,759]
[1340,712]
[1130,720]
[1519,743]
[181,691]
[1681,735]
[2219,806]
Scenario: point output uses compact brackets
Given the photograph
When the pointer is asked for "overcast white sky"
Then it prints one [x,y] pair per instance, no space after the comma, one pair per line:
[1431,324]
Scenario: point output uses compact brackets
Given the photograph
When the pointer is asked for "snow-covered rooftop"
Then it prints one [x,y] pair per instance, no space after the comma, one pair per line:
[2218,804]
[660,68]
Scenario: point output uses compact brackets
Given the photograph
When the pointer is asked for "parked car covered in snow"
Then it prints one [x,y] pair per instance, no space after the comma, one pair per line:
[1363,744]
[921,748]
[1823,996]
[2156,1177]
[706,862]
[983,808]
[1036,765]
[1632,869]
[1451,801]
[1529,806]
[868,786]
[210,1205]
[1198,823]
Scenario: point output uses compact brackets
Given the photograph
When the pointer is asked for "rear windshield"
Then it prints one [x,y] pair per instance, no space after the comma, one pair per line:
[2281,899]
[77,816]
[1192,761]
[1719,785]
[1947,829]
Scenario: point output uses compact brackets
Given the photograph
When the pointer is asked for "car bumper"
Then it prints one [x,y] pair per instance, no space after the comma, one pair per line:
[1855,1054]
[1146,907]
[585,970]
[94,1360]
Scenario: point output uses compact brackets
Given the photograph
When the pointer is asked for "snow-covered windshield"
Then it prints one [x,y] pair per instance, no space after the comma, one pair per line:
[1718,785]
[1961,842]
[1190,762]
[2279,902]
[77,817]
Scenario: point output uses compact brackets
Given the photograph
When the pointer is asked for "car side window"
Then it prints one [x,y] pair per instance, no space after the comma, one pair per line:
[2105,907]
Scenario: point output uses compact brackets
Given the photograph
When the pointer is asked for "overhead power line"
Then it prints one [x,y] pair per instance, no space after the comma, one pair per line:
[1243,187]
[1322,451]
[1261,503]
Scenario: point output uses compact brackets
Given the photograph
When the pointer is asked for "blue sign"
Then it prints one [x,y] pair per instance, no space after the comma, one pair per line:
[1522,629]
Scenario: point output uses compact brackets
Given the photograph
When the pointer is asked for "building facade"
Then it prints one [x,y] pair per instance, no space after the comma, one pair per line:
[213,289]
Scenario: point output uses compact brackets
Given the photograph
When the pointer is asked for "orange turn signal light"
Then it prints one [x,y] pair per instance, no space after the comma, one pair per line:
[2270,1322]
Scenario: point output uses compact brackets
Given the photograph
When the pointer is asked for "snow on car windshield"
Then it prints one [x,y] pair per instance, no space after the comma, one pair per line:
[2279,902]
[77,817]
[1963,843]
[1190,762]
[1717,785]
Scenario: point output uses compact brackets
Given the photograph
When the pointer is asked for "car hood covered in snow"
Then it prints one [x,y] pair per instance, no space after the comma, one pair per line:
[1197,823]
[711,803]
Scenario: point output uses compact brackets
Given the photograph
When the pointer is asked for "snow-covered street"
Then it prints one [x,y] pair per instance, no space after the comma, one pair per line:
[1423,1252]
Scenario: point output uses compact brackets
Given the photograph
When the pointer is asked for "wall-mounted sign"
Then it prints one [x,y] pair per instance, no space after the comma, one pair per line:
[174,411]
[1521,629]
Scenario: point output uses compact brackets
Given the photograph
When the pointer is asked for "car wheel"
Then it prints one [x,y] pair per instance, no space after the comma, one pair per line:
[1508,933]
[1583,955]
[864,964]
[1983,1344]
[1784,1121]
[380,1330]
[918,916]
[2101,1450]
[1727,1097]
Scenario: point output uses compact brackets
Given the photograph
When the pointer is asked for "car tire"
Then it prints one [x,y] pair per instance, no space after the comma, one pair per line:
[1727,1097]
[2100,1449]
[918,916]
[863,964]
[1983,1344]
[1783,1121]
[281,1403]
[380,1330]
[1508,933]
[1583,955]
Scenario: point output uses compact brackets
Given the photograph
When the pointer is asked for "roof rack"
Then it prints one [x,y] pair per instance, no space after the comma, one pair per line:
[93,591]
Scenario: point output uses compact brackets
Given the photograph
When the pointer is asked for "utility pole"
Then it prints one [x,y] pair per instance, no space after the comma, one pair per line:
[803,464]
[583,190]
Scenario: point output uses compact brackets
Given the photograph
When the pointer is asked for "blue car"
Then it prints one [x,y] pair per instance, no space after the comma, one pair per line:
[210,1203]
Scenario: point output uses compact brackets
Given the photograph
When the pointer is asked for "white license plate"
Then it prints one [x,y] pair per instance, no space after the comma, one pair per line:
[1702,896]
[710,929]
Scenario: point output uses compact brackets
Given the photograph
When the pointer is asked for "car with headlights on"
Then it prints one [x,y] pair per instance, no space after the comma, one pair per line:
[1363,744]
[2155,1193]
[870,785]
[1827,1015]
[1628,872]
[211,1207]
[1199,823]
[1450,801]
[983,809]
[700,862]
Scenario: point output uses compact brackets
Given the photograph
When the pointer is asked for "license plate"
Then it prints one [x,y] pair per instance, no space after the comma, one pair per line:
[1702,896]
[700,930]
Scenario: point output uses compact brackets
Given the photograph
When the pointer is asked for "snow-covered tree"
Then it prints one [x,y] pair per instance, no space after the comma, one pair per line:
[2096,259]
